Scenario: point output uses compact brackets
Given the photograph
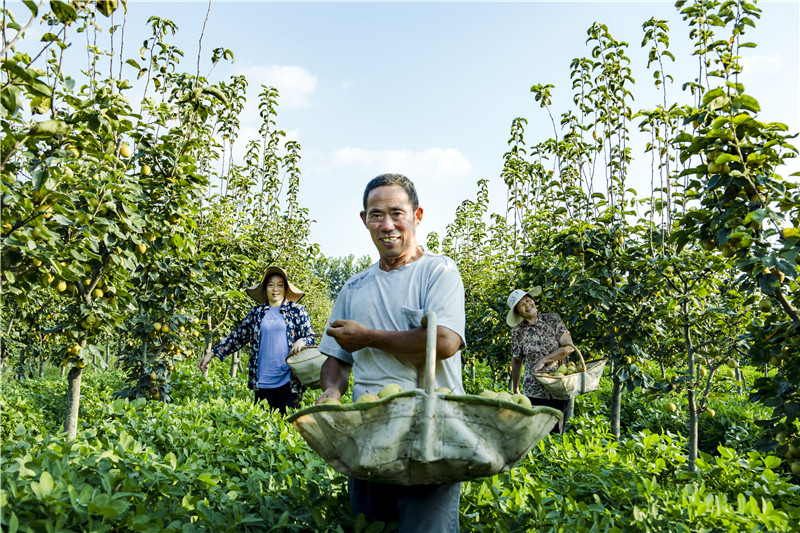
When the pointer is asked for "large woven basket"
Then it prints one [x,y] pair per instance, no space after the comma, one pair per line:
[565,387]
[306,365]
[422,437]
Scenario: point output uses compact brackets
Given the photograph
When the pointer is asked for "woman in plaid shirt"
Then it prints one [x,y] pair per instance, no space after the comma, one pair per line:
[274,329]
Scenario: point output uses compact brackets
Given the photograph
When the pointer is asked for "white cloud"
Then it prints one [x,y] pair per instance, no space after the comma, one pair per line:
[761,64]
[433,163]
[295,84]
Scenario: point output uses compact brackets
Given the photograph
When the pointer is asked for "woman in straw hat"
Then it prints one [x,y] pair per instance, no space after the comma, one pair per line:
[541,342]
[275,328]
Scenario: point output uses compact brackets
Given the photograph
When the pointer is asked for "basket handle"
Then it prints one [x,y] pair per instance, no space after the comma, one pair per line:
[429,322]
[583,363]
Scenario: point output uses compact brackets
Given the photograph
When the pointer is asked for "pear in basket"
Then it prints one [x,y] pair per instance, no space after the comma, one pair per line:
[488,394]
[389,389]
[331,401]
[368,397]
[562,369]
[521,399]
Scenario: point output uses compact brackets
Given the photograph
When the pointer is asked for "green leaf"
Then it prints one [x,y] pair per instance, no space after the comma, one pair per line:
[65,12]
[770,461]
[106,7]
[726,158]
[768,283]
[49,127]
[208,479]
[748,102]
[32,6]
[44,487]
[172,460]
[757,215]
[24,471]
[719,102]
[711,95]
[10,99]
[217,93]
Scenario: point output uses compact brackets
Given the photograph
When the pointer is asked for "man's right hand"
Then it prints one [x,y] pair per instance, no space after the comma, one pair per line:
[331,392]
[349,334]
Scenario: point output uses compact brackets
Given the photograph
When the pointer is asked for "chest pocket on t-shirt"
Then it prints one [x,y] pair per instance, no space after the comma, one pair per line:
[414,317]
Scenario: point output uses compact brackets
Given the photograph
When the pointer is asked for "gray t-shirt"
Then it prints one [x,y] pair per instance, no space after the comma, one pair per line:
[396,301]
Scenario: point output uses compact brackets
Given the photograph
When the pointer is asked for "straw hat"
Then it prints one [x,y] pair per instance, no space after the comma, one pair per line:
[258,291]
[512,318]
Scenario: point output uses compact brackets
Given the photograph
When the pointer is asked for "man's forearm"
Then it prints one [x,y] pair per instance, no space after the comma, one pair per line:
[412,344]
[334,375]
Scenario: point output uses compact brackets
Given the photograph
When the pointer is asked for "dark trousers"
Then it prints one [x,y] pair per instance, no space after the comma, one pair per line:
[561,405]
[415,508]
[279,398]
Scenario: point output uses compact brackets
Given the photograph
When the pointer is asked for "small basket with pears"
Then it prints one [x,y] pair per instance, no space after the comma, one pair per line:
[424,436]
[572,379]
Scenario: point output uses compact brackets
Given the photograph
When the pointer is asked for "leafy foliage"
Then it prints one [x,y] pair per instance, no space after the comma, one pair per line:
[212,459]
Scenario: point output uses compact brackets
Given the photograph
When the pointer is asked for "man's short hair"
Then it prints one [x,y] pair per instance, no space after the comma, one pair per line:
[393,179]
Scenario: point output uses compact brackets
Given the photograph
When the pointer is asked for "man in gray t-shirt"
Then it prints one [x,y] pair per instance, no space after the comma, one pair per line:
[375,331]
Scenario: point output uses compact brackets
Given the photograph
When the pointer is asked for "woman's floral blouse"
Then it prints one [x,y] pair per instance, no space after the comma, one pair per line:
[531,343]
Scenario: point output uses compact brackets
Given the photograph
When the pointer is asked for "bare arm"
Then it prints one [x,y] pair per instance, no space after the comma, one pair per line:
[566,339]
[516,372]
[410,344]
[334,378]
[558,354]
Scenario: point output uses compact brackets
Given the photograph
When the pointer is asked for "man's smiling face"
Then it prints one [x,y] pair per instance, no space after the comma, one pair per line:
[392,223]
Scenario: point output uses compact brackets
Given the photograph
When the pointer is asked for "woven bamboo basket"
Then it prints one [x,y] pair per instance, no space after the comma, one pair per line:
[306,365]
[565,387]
[421,437]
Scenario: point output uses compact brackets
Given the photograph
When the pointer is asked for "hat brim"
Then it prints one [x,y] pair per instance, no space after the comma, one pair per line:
[258,291]
[512,317]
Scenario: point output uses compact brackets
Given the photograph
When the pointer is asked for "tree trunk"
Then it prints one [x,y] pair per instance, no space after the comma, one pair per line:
[472,371]
[690,396]
[21,368]
[663,370]
[42,359]
[108,354]
[693,434]
[207,350]
[235,359]
[73,402]
[616,404]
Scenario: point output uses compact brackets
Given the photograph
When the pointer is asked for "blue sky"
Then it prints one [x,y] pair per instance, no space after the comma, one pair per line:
[430,89]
